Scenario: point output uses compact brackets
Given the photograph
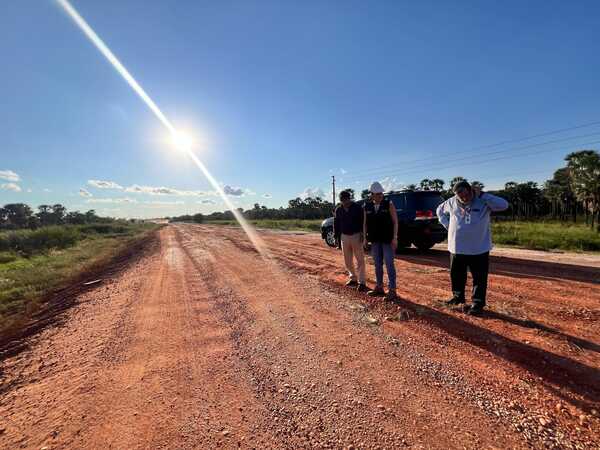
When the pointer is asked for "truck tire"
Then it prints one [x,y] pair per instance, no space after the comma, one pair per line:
[330,237]
[424,245]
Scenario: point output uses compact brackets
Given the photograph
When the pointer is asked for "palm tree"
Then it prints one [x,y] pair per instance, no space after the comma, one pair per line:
[584,171]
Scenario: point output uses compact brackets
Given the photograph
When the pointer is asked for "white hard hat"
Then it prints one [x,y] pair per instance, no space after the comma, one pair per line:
[376,188]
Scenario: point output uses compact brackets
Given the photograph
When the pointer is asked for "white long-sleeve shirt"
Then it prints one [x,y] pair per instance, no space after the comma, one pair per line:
[469,225]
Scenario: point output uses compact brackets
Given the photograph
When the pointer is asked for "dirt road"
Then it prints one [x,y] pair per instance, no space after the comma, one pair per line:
[203,344]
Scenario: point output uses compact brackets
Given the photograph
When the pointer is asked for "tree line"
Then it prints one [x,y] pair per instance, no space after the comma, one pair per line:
[572,192]
[15,216]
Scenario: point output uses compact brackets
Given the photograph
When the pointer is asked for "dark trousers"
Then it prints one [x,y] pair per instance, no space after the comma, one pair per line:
[478,265]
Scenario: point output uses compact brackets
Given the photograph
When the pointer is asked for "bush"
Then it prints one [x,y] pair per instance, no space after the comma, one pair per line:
[29,242]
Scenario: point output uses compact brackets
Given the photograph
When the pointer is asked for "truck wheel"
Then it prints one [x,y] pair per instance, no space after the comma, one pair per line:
[424,245]
[330,237]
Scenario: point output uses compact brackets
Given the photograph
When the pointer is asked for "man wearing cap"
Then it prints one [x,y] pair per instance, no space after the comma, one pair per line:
[381,230]
[466,216]
[348,229]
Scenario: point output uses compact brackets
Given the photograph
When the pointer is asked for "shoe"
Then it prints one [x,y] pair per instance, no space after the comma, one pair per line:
[476,309]
[391,296]
[362,288]
[455,301]
[377,292]
[351,283]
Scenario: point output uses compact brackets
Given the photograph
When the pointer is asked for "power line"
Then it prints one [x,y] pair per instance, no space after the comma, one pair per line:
[480,155]
[483,162]
[509,141]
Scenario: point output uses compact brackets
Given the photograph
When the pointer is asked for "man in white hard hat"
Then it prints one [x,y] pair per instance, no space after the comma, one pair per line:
[381,230]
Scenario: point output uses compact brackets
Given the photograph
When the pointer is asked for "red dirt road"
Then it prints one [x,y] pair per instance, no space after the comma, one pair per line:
[201,343]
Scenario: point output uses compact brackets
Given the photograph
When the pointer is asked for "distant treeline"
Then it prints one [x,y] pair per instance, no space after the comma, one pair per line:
[573,191]
[16,216]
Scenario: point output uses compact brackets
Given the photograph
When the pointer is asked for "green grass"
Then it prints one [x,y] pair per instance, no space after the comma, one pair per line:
[532,235]
[26,277]
[283,224]
[546,236]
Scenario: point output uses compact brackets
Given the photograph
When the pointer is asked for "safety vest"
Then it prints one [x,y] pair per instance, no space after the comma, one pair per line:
[380,227]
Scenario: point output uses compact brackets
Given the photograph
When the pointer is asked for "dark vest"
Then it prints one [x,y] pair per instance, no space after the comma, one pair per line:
[380,227]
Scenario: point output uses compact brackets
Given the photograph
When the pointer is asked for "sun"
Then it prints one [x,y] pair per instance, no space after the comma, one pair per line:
[182,140]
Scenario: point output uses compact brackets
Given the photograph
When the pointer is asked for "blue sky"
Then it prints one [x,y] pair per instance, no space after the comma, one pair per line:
[281,95]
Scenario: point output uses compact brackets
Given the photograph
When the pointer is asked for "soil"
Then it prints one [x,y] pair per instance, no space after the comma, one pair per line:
[201,342]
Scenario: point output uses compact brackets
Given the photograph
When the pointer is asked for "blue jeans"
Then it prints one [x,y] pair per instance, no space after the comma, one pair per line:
[380,252]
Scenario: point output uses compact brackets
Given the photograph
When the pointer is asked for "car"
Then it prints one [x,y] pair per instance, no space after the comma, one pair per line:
[418,224]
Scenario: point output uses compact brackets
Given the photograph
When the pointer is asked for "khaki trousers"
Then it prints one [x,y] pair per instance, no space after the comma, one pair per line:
[352,247]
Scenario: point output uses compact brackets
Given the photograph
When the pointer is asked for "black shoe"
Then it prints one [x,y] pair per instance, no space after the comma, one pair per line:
[362,288]
[476,309]
[351,283]
[455,301]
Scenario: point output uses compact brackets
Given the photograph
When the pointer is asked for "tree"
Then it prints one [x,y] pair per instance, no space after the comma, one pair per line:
[437,184]
[425,184]
[584,171]
[365,194]
[75,218]
[15,215]
[559,193]
[198,218]
[478,184]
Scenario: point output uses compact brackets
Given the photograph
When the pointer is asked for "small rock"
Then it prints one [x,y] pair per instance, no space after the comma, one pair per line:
[594,412]
[380,406]
[225,433]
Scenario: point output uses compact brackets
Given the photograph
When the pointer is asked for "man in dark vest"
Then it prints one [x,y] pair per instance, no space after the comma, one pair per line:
[348,225]
[381,230]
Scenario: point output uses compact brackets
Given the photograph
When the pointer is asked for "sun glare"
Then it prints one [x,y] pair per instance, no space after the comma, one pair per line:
[182,140]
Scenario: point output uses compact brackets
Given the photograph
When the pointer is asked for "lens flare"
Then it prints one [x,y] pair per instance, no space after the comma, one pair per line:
[181,140]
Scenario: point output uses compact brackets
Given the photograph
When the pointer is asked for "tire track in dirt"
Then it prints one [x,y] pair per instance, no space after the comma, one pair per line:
[343,393]
[555,408]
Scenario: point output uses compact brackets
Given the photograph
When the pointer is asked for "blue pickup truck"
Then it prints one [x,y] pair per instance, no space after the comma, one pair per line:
[417,222]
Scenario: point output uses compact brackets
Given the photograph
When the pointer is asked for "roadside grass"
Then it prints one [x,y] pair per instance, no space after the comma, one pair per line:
[277,224]
[536,235]
[546,236]
[62,254]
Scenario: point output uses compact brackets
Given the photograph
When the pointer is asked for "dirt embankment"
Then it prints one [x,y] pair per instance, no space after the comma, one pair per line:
[201,343]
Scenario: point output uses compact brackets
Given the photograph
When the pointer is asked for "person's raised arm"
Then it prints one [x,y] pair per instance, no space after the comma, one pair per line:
[443,216]
[494,202]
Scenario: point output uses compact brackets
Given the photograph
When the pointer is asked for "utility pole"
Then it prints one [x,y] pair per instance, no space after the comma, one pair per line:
[333,190]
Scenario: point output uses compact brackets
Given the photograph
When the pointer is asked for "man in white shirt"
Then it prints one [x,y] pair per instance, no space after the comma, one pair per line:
[466,216]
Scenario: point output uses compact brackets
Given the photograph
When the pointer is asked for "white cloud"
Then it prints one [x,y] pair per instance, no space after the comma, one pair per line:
[101,184]
[11,187]
[392,184]
[29,190]
[207,202]
[9,175]
[267,196]
[112,200]
[161,203]
[233,191]
[249,192]
[343,171]
[85,193]
[47,190]
[162,190]
[312,192]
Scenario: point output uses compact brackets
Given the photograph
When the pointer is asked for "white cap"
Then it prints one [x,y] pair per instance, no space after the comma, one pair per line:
[376,188]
